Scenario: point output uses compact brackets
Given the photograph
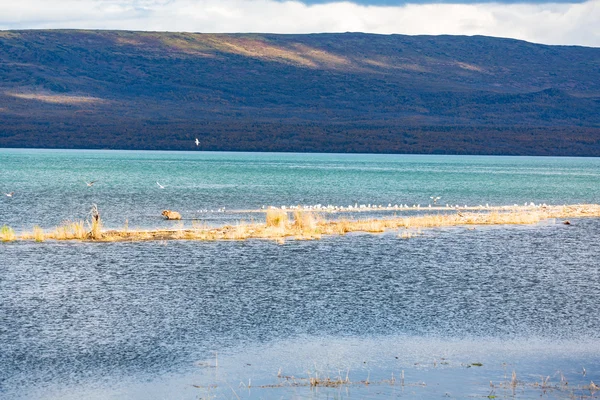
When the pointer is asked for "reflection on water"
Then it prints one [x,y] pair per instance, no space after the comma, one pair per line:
[365,368]
[144,320]
[153,320]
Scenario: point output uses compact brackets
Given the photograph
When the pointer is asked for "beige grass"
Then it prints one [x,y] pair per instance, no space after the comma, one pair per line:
[7,234]
[305,220]
[276,218]
[310,226]
[38,234]
[69,231]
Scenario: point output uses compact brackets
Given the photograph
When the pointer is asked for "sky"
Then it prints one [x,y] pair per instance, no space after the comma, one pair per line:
[539,21]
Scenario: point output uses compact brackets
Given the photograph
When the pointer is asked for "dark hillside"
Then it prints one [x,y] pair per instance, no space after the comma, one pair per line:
[324,92]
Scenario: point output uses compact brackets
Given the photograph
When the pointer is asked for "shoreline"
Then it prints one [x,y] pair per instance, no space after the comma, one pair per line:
[310,225]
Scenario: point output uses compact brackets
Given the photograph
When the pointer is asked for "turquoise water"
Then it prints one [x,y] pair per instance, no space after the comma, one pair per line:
[50,186]
[257,319]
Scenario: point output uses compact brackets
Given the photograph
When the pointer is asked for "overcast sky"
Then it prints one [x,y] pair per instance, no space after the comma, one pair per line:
[535,21]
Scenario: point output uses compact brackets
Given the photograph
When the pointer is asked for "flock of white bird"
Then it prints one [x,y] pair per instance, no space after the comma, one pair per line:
[219,210]
[355,207]
[332,208]
[376,207]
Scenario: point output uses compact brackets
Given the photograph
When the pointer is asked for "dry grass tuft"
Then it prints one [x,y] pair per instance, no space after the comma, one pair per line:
[342,227]
[69,231]
[276,218]
[241,231]
[305,221]
[7,234]
[38,234]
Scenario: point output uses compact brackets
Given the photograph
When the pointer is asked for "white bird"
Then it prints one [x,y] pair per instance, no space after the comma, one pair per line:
[197,142]
[9,194]
[90,183]
[435,199]
[159,185]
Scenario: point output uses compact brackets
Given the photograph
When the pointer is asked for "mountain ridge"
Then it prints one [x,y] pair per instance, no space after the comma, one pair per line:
[347,92]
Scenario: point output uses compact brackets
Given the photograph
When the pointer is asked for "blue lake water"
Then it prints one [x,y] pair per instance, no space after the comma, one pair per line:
[257,319]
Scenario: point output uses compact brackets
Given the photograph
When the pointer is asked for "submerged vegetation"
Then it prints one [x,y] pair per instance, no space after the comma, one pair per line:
[509,387]
[305,225]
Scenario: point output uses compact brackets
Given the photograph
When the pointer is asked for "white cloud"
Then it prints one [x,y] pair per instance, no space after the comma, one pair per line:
[551,23]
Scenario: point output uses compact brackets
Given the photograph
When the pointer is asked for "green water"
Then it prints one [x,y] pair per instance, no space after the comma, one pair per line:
[50,186]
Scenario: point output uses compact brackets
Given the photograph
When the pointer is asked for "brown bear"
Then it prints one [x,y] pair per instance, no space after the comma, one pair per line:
[168,214]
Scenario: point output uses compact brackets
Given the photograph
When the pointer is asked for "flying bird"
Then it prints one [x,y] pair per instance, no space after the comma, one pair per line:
[90,184]
[9,194]
[159,185]
[435,199]
[197,142]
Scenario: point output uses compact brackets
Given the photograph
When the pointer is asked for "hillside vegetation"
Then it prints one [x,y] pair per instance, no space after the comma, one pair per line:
[346,92]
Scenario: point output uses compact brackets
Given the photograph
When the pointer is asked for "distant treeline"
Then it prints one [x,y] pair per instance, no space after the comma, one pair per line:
[281,137]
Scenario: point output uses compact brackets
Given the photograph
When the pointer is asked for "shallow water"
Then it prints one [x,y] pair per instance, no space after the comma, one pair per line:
[196,320]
